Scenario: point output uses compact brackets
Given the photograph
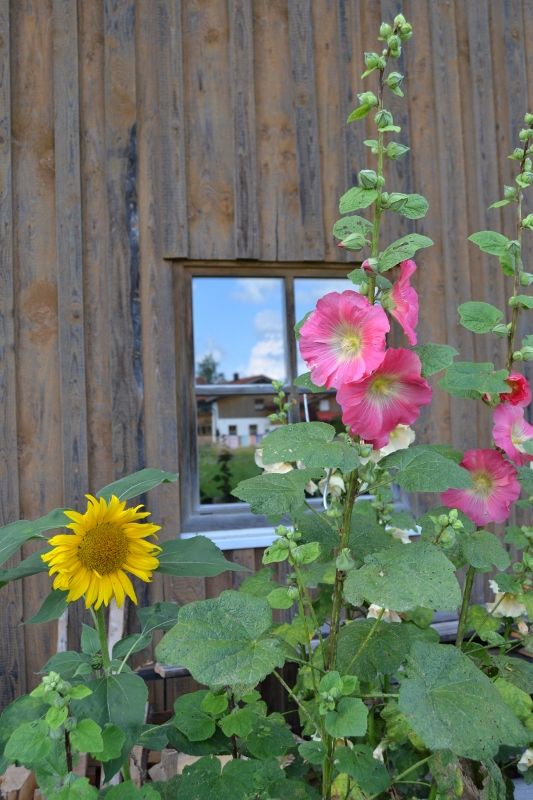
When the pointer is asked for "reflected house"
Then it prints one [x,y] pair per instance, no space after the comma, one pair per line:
[241,420]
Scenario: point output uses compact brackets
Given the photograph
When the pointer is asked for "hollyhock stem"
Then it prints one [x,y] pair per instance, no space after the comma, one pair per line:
[469,583]
[515,314]
[374,248]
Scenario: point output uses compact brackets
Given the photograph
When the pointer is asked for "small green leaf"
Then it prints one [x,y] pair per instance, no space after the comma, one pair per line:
[470,379]
[412,206]
[349,718]
[275,495]
[87,736]
[197,557]
[280,598]
[29,743]
[191,719]
[483,550]
[116,699]
[68,664]
[359,113]
[402,249]
[394,150]
[356,198]
[113,740]
[348,225]
[52,607]
[239,723]
[405,577]
[136,484]
[434,357]
[214,703]
[518,701]
[55,717]
[359,763]
[490,242]
[479,317]
[313,752]
[304,382]
[424,469]
[90,643]
[79,691]
[225,641]
[524,300]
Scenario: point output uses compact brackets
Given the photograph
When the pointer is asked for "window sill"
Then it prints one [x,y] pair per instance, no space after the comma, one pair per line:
[237,539]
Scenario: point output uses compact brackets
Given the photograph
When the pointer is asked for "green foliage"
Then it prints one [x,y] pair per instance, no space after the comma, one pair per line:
[197,557]
[359,763]
[434,357]
[479,317]
[405,577]
[225,641]
[424,469]
[136,484]
[312,443]
[452,705]
[14,535]
[473,380]
[274,495]
[348,719]
[483,550]
[356,198]
[492,242]
[52,608]
[159,617]
[412,206]
[32,565]
[116,699]
[401,249]
[190,717]
[304,382]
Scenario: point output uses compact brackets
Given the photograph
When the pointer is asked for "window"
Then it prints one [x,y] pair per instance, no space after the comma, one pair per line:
[235,335]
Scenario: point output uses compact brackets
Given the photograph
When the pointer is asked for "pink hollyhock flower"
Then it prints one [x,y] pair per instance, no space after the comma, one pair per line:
[343,339]
[495,488]
[520,394]
[510,431]
[390,396]
[404,299]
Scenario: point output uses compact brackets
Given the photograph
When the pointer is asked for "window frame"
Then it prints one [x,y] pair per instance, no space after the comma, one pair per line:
[232,525]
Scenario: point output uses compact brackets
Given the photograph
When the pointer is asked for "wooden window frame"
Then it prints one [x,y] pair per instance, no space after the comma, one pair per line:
[228,519]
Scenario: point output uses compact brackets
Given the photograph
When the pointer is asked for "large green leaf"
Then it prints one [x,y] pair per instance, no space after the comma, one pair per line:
[31,565]
[452,705]
[348,719]
[52,608]
[483,550]
[470,379]
[424,469]
[197,557]
[404,578]
[349,225]
[310,442]
[434,357]
[402,249]
[479,317]
[491,242]
[356,198]
[136,484]
[224,641]
[275,495]
[384,652]
[117,699]
[358,762]
[12,536]
[69,664]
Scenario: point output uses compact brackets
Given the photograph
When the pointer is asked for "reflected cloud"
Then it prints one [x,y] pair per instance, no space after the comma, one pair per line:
[254,290]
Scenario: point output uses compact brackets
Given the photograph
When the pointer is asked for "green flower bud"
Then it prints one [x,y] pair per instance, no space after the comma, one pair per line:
[374,61]
[517,154]
[368,99]
[525,134]
[447,538]
[380,181]
[527,353]
[385,31]
[292,591]
[383,118]
[365,450]
[457,525]
[509,192]
[443,520]
[453,515]
[406,31]
[344,561]
[500,329]
[526,278]
[517,355]
[394,80]
[97,662]
[528,119]
[399,20]
[368,179]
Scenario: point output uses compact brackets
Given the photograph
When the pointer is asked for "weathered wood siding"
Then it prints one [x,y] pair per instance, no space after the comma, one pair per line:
[134,133]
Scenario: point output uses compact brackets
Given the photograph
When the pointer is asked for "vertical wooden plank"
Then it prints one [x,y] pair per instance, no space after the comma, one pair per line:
[243,105]
[351,66]
[95,216]
[307,152]
[173,191]
[434,422]
[210,149]
[123,239]
[331,117]
[158,324]
[448,138]
[36,300]
[12,655]
[69,252]
[279,197]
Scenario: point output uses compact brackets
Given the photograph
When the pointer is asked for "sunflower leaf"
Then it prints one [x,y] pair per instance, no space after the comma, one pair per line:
[31,565]
[52,608]
[12,536]
[136,484]
[197,557]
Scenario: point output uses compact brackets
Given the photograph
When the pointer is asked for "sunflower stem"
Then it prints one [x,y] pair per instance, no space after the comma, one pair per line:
[102,635]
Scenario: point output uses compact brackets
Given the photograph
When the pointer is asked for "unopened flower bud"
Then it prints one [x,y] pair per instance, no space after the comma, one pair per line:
[394,80]
[385,31]
[453,514]
[368,179]
[509,192]
[517,355]
[374,61]
[383,118]
[500,329]
[406,31]
[367,99]
[447,537]
[526,278]
[443,520]
[527,353]
[525,134]
[399,20]
[292,592]
[528,119]
[344,561]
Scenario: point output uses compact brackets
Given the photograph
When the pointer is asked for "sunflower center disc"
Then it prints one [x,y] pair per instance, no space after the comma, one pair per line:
[103,548]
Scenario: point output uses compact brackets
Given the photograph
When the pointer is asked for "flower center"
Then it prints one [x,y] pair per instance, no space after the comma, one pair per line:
[383,385]
[103,548]
[482,483]
[348,342]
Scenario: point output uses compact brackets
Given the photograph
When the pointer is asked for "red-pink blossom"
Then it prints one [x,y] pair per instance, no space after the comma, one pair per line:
[520,394]
[343,339]
[510,431]
[390,396]
[495,488]
[404,299]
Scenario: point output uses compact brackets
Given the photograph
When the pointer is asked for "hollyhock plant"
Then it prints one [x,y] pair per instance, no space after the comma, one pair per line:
[403,300]
[495,488]
[343,339]
[520,394]
[393,394]
[511,431]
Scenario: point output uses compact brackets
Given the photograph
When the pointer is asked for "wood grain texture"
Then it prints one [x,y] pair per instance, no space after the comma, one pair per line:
[39,427]
[12,655]
[306,120]
[243,106]
[172,131]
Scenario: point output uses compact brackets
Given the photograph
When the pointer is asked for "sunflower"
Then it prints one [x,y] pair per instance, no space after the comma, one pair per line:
[107,541]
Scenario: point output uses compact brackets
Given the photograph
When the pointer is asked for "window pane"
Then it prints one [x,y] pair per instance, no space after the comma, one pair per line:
[239,334]
[306,293]
[230,427]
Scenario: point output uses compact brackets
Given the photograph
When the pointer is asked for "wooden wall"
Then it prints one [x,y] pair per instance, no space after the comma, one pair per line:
[133,133]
